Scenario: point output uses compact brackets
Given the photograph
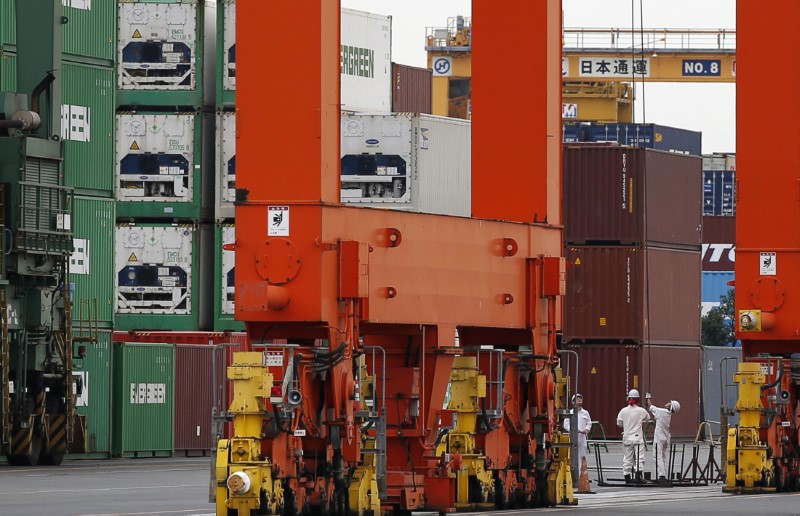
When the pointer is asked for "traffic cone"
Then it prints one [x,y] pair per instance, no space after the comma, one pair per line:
[583,479]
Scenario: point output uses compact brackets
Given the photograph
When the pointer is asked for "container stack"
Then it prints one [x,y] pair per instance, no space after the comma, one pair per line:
[719,227]
[650,136]
[632,220]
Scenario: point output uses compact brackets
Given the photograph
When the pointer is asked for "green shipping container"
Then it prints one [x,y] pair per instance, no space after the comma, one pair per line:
[94,370]
[92,264]
[8,71]
[144,400]
[226,53]
[87,128]
[89,34]
[224,267]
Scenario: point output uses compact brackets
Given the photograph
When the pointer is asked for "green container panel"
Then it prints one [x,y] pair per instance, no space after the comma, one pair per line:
[226,53]
[144,399]
[8,71]
[95,400]
[89,35]
[223,280]
[92,263]
[88,122]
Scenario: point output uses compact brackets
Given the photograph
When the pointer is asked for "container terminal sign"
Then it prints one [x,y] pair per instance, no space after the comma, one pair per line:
[613,67]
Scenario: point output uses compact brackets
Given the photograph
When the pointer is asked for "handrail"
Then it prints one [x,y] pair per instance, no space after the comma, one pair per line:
[643,39]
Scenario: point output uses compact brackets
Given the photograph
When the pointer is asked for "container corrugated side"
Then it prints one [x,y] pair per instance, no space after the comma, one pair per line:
[224,267]
[366,61]
[673,373]
[193,395]
[719,192]
[719,363]
[91,264]
[226,53]
[94,370]
[625,195]
[719,243]
[443,171]
[8,23]
[225,165]
[652,136]
[611,290]
[411,89]
[144,400]
[8,71]
[87,128]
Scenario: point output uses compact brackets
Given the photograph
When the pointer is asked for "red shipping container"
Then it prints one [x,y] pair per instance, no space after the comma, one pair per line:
[193,395]
[632,294]
[719,243]
[630,195]
[411,89]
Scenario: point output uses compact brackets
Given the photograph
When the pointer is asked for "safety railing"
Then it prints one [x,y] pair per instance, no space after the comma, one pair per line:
[649,39]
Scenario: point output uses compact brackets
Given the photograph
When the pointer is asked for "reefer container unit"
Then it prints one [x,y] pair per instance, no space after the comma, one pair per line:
[94,401]
[143,400]
[157,269]
[91,266]
[632,294]
[226,53]
[225,176]
[366,61]
[719,192]
[606,372]
[719,363]
[652,136]
[713,286]
[89,34]
[719,243]
[627,195]
[224,279]
[411,89]
[158,165]
[160,53]
[405,161]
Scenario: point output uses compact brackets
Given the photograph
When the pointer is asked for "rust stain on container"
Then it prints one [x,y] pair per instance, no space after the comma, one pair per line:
[628,195]
[411,89]
[632,294]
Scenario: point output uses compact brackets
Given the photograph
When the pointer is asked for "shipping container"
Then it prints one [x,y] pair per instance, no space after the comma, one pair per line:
[719,243]
[606,372]
[366,62]
[158,165]
[405,161]
[157,277]
[92,267]
[720,393]
[575,132]
[143,400]
[632,294]
[651,136]
[94,401]
[625,195]
[160,53]
[87,127]
[719,161]
[411,89]
[224,279]
[226,53]
[194,381]
[8,71]
[713,286]
[89,34]
[225,176]
[719,192]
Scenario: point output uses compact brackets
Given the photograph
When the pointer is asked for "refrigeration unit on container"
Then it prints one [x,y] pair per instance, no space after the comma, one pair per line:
[719,192]
[143,400]
[719,161]
[158,165]
[160,53]
[719,243]
[633,294]
[226,53]
[606,372]
[407,161]
[157,277]
[92,268]
[225,176]
[411,89]
[224,279]
[653,136]
[93,368]
[89,33]
[366,61]
[626,195]
[713,285]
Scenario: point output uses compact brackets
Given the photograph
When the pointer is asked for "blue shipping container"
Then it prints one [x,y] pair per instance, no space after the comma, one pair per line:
[652,136]
[719,192]
[713,286]
[572,132]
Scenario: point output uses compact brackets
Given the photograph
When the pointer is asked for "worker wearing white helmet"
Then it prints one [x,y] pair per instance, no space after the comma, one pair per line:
[630,419]
[584,426]
[661,436]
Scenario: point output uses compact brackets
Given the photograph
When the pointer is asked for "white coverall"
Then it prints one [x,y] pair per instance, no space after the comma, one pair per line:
[584,425]
[661,439]
[630,419]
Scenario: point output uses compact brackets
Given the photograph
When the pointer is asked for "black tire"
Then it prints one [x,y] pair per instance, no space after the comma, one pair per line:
[51,459]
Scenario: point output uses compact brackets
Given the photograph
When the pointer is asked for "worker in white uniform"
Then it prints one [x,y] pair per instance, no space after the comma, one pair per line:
[584,425]
[661,436]
[630,419]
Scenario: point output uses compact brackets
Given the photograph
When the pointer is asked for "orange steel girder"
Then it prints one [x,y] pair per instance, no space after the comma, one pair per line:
[309,268]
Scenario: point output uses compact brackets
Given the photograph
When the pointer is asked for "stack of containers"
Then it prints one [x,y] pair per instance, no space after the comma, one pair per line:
[159,159]
[719,227]
[651,136]
[87,81]
[632,221]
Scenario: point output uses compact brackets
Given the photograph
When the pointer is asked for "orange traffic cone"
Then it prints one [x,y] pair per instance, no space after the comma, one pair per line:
[583,479]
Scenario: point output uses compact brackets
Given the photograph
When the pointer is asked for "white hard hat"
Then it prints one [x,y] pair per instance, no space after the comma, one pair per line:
[633,393]
[675,406]
[648,396]
[576,396]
